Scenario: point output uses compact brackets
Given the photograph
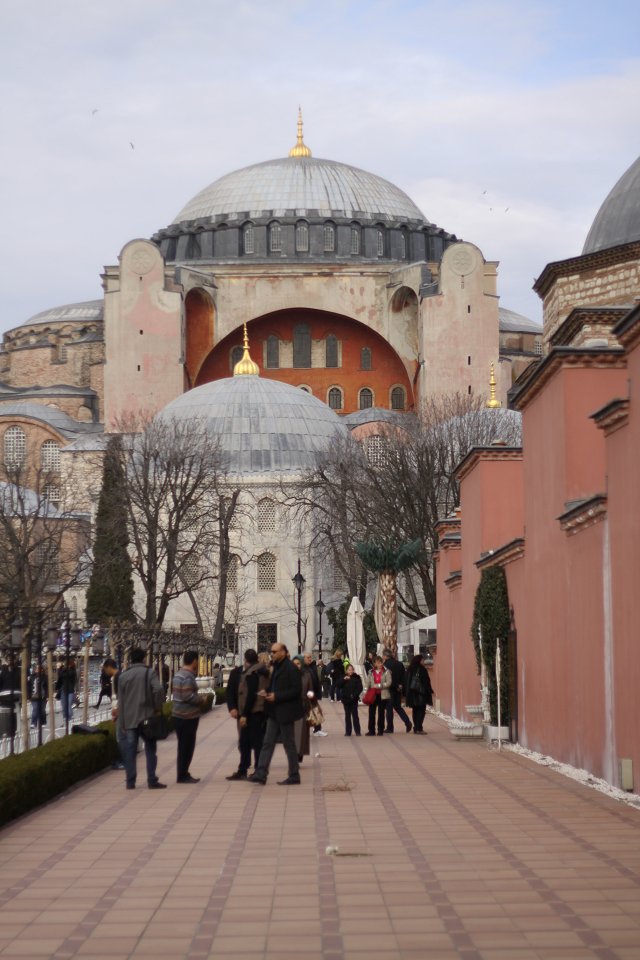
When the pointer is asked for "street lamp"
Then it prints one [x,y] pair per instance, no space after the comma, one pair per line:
[299,582]
[319,605]
[51,643]
[17,639]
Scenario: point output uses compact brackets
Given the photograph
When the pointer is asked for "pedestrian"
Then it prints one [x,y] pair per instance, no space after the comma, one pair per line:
[253,678]
[301,729]
[312,667]
[218,675]
[351,690]
[139,698]
[186,708]
[368,664]
[394,703]
[109,670]
[325,678]
[66,688]
[38,691]
[419,692]
[283,706]
[379,680]
[337,675]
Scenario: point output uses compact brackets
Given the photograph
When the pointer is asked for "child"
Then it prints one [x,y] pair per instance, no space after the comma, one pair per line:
[351,690]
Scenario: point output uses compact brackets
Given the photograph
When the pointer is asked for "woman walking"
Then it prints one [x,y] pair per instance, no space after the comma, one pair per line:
[301,730]
[351,690]
[379,680]
[419,692]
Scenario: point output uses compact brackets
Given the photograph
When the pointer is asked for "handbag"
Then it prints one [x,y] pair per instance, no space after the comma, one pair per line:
[369,696]
[315,716]
[154,727]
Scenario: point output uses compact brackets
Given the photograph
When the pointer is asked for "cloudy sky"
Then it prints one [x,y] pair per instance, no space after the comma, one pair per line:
[507,122]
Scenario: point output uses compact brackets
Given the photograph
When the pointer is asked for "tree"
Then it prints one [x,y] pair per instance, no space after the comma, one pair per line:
[388,560]
[337,618]
[110,592]
[490,629]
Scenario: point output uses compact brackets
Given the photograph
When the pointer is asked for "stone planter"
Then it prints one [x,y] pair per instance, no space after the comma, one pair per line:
[491,732]
[474,710]
[204,683]
[466,731]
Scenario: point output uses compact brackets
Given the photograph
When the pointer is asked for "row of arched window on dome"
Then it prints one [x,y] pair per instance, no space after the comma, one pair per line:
[15,451]
[366,398]
[302,351]
[329,235]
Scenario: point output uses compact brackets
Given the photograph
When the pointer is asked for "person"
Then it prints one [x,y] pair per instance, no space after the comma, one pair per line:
[283,706]
[109,670]
[380,680]
[368,664]
[66,688]
[253,678]
[218,675]
[301,729]
[185,710]
[139,697]
[419,692]
[351,690]
[38,691]
[312,667]
[394,703]
[336,668]
[325,678]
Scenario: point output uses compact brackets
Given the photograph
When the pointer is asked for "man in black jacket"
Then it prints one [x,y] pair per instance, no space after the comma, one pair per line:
[394,702]
[283,706]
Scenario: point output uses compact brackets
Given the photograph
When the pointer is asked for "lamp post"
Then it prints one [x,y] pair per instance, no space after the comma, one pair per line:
[52,643]
[85,678]
[17,639]
[37,687]
[299,582]
[319,605]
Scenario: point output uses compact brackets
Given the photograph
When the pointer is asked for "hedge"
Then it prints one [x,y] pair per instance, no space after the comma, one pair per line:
[30,779]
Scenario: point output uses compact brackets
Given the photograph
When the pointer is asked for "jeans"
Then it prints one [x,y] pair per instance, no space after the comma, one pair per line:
[186,730]
[128,743]
[250,740]
[38,712]
[377,707]
[285,731]
[351,716]
[395,703]
[66,700]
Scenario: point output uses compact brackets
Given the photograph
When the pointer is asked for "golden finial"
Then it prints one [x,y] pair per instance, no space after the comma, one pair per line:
[245,367]
[493,401]
[300,149]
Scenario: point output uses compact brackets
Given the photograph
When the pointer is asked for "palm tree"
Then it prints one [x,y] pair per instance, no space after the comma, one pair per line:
[388,559]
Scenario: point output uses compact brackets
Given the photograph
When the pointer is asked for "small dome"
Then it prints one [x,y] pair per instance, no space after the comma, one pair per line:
[87,310]
[265,426]
[618,219]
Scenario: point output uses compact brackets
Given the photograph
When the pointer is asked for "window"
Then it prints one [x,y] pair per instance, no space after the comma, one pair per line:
[365,400]
[45,563]
[303,386]
[266,635]
[335,398]
[51,492]
[301,345]
[380,243]
[403,246]
[190,572]
[538,347]
[266,514]
[398,398]
[15,446]
[266,571]
[50,456]
[355,240]
[376,450]
[331,351]
[365,358]
[248,237]
[329,238]
[275,238]
[232,574]
[302,237]
[273,352]
[236,356]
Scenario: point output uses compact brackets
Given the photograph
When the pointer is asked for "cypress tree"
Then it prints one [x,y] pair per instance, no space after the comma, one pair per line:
[110,592]
[492,620]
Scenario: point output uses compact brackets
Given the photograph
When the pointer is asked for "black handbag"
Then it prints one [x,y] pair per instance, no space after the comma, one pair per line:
[156,726]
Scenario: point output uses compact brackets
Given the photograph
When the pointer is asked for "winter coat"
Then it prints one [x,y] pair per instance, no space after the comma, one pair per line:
[301,729]
[419,690]
[396,669]
[286,684]
[386,684]
[351,689]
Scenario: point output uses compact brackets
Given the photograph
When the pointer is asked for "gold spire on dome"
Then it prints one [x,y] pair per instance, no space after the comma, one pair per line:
[245,367]
[493,401]
[300,149]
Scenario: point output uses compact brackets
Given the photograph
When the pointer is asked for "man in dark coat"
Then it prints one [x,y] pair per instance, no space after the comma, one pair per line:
[283,706]
[394,703]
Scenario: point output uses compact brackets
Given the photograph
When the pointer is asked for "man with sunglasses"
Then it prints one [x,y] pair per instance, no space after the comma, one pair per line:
[282,707]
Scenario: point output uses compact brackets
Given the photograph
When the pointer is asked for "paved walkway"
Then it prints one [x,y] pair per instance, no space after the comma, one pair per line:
[445,849]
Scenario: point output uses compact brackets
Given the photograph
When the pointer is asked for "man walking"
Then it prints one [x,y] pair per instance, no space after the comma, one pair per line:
[394,703]
[185,710]
[310,665]
[283,706]
[250,712]
[139,697]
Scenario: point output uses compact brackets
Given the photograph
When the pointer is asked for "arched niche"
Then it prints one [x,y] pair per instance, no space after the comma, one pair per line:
[199,329]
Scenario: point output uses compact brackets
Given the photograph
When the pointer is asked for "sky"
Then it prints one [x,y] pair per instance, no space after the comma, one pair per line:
[506,122]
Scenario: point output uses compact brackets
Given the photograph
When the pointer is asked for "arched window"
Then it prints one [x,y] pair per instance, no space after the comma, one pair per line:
[403,245]
[331,351]
[398,399]
[329,238]
[266,514]
[355,240]
[236,356]
[365,398]
[376,450]
[190,571]
[301,345]
[248,237]
[266,571]
[232,573]
[335,398]
[380,243]
[50,456]
[302,237]
[275,238]
[273,352]
[15,446]
[365,358]
[303,386]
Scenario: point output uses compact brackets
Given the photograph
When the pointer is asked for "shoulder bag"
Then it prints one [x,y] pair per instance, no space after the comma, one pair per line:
[154,727]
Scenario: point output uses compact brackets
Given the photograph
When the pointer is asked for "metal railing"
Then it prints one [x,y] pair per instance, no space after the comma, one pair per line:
[95,716]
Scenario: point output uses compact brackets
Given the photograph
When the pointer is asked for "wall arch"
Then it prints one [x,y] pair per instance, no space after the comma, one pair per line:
[199,329]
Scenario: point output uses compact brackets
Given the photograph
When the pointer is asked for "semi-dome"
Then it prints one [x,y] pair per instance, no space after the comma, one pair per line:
[618,219]
[265,426]
[305,185]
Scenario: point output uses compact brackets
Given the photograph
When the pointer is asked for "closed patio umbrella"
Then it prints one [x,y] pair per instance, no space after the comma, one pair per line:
[355,636]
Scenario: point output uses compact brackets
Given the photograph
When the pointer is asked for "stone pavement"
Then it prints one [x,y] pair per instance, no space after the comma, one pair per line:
[445,850]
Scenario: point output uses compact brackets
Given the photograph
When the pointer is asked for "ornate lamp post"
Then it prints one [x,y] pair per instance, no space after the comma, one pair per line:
[17,639]
[319,605]
[299,582]
[51,643]
[37,687]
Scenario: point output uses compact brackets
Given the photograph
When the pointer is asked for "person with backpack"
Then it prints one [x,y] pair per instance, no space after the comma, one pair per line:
[419,692]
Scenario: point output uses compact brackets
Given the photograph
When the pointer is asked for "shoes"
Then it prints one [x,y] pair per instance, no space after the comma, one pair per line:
[382,734]
[157,785]
[347,734]
[131,786]
[289,782]
[409,728]
[188,779]
[237,776]
[369,734]
[421,733]
[255,779]
[320,733]
[357,734]
[388,731]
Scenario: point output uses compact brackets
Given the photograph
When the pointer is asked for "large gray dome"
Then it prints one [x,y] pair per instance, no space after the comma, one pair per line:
[618,219]
[301,184]
[265,426]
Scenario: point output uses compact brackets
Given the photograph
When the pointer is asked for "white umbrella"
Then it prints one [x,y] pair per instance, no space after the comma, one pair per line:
[355,636]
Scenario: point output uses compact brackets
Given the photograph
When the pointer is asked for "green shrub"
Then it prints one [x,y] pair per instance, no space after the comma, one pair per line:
[221,696]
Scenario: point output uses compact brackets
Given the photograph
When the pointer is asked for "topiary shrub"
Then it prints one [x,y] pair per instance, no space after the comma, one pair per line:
[492,622]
